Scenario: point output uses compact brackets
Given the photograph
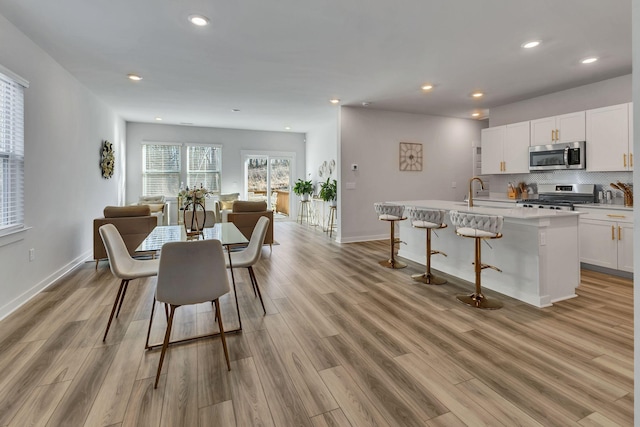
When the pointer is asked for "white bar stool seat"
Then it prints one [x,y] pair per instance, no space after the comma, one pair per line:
[429,219]
[478,227]
[392,213]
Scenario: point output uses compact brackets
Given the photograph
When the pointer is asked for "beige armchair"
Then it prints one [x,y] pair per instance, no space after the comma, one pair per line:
[134,223]
[245,216]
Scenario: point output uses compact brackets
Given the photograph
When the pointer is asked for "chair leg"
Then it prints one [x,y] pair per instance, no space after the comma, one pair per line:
[222,337]
[165,344]
[235,291]
[97,261]
[153,309]
[124,291]
[113,309]
[255,283]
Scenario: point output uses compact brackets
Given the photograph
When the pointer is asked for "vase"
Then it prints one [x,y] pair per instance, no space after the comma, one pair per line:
[194,216]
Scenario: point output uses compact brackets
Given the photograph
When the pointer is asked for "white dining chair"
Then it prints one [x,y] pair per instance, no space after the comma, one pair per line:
[191,273]
[248,257]
[123,266]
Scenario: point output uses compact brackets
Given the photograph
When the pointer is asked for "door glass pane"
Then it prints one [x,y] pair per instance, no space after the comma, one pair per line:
[257,178]
[280,184]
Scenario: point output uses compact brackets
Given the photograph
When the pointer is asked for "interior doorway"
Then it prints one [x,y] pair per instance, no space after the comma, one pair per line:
[268,177]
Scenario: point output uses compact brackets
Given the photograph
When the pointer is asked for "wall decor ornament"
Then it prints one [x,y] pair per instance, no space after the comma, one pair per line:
[410,156]
[107,160]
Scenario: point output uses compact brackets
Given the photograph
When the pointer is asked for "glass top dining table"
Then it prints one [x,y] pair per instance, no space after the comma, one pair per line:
[226,232]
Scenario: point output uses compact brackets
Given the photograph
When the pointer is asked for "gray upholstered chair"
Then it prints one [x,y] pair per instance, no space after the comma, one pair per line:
[123,266]
[203,280]
[478,227]
[248,257]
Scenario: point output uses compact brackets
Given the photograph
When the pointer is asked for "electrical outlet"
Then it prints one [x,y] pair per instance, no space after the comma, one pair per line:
[454,184]
[32,255]
[543,238]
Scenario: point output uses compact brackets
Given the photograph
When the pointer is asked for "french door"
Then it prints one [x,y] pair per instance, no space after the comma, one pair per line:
[267,176]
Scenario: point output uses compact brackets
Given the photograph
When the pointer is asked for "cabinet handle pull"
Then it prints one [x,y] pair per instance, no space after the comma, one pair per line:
[557,134]
[630,160]
[619,233]
[613,231]
[504,166]
[553,138]
[616,216]
[624,160]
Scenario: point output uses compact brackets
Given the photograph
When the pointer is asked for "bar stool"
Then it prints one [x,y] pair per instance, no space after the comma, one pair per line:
[332,217]
[392,213]
[303,211]
[478,227]
[429,219]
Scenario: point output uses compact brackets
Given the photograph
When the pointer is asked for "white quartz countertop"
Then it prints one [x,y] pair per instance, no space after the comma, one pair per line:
[514,212]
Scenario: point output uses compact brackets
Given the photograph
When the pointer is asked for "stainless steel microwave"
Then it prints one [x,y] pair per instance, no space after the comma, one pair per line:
[570,155]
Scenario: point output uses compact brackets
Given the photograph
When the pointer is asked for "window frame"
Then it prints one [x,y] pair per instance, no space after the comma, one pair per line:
[12,153]
[183,171]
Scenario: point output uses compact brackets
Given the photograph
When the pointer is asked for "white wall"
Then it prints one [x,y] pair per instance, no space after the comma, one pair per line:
[636,217]
[322,145]
[601,94]
[233,141]
[370,138]
[64,190]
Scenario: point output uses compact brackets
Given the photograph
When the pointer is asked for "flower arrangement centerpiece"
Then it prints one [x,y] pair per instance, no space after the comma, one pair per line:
[193,195]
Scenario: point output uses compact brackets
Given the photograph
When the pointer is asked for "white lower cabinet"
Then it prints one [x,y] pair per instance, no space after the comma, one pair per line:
[606,240]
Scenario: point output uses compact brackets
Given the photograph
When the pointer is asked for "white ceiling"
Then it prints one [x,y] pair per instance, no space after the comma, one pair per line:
[280,61]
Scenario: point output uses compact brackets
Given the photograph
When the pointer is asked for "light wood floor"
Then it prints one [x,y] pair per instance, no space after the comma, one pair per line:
[345,342]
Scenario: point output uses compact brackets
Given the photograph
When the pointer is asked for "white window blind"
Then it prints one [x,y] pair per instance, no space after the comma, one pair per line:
[161,169]
[203,167]
[11,154]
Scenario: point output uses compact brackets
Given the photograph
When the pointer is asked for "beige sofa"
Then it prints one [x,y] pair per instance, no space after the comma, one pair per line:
[245,216]
[133,222]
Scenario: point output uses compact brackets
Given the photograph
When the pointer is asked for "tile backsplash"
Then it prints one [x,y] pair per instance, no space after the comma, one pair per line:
[498,183]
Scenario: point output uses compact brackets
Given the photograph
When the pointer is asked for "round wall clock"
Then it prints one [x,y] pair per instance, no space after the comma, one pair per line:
[107,160]
[410,156]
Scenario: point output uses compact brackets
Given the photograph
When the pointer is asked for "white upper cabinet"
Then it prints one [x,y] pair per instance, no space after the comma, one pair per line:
[557,129]
[609,147]
[505,149]
[630,135]
[492,143]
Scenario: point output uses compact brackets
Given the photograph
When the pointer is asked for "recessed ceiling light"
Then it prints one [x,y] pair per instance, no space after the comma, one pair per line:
[427,87]
[287,128]
[158,119]
[366,103]
[199,20]
[590,60]
[334,101]
[477,94]
[531,44]
[475,115]
[134,77]
[235,110]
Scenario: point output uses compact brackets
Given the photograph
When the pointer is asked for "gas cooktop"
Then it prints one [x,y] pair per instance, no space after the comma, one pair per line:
[561,196]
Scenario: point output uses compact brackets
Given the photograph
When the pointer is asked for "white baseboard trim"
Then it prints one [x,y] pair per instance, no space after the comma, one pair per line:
[23,298]
[357,239]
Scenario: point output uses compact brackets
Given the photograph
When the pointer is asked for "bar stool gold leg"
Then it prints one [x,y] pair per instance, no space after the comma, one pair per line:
[393,262]
[477,299]
[427,277]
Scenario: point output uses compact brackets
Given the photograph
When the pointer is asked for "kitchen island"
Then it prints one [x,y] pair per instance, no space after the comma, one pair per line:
[538,253]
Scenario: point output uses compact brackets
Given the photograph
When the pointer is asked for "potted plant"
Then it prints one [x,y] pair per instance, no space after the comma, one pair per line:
[329,191]
[303,188]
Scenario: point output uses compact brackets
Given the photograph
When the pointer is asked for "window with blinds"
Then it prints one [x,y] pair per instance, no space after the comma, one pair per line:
[203,167]
[11,154]
[160,169]
[163,170]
